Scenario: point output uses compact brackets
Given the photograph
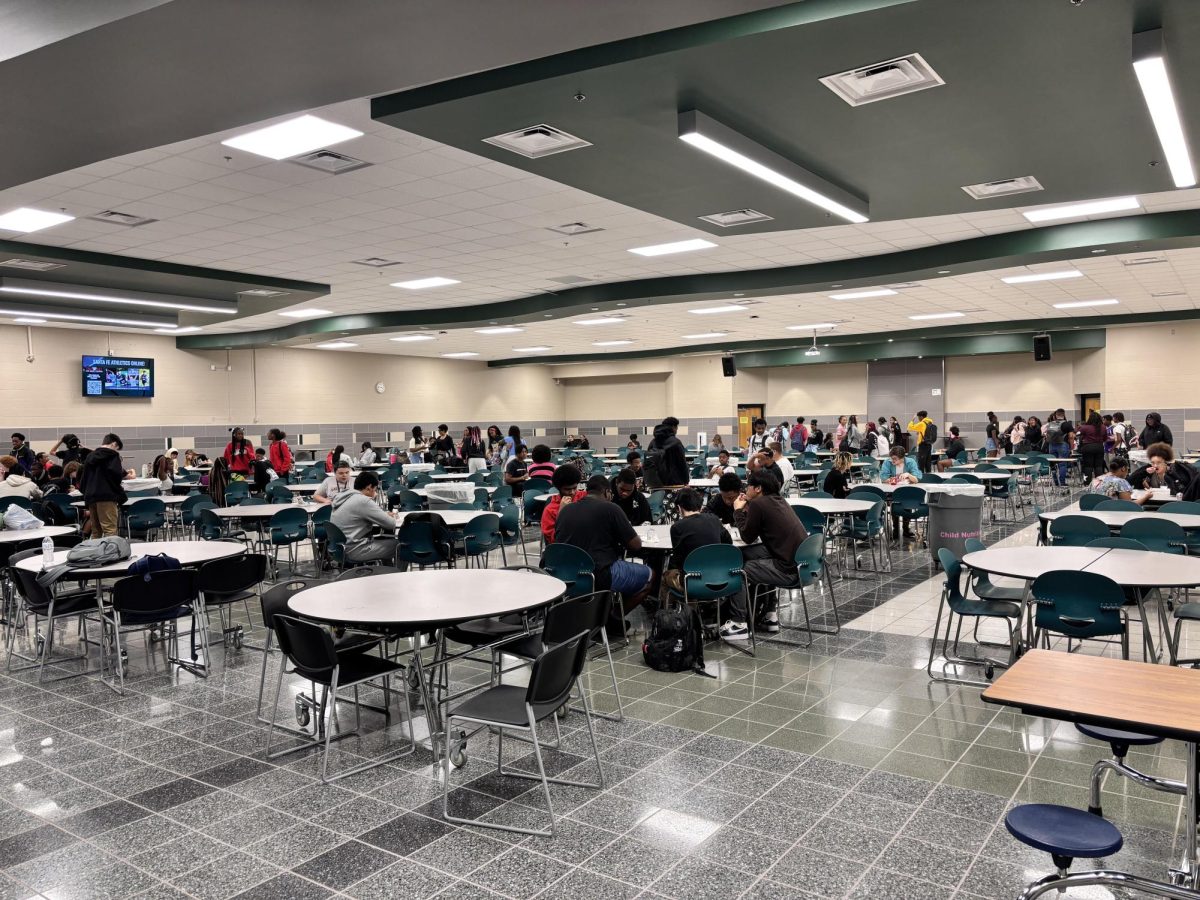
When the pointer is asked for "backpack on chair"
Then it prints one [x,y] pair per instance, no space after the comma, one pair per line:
[675,642]
[652,467]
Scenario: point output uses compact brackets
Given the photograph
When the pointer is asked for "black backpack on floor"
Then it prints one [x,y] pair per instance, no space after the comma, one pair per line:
[675,642]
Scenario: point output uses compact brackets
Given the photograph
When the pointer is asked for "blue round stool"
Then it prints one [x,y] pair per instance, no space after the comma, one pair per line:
[1063,832]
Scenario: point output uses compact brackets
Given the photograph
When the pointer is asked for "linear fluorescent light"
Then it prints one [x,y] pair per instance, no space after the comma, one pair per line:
[705,334]
[422,283]
[817,327]
[291,138]
[335,345]
[609,343]
[305,313]
[713,310]
[25,320]
[930,316]
[462,355]
[410,338]
[121,301]
[676,247]
[27,220]
[91,320]
[530,349]
[734,148]
[500,329]
[1042,276]
[601,320]
[1150,66]
[864,295]
[1076,210]
[1080,304]
[187,330]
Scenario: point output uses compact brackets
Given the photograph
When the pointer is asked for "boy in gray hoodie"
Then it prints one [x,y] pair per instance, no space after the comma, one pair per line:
[357,513]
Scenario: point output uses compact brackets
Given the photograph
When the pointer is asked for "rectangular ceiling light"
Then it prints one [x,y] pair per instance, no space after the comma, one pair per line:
[601,320]
[302,134]
[864,295]
[500,329]
[817,327]
[335,345]
[28,220]
[1081,304]
[732,147]
[1042,276]
[422,283]
[1078,210]
[714,310]
[931,316]
[704,335]
[187,330]
[411,338]
[28,320]
[1150,66]
[90,320]
[305,313]
[530,349]
[676,247]
[31,289]
[610,343]
[462,355]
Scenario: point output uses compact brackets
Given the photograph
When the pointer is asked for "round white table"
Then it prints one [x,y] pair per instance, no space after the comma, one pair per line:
[1028,563]
[428,598]
[450,476]
[15,535]
[703,482]
[1117,519]
[965,490]
[189,553]
[424,492]
[168,499]
[831,506]
[262,510]
[310,488]
[454,518]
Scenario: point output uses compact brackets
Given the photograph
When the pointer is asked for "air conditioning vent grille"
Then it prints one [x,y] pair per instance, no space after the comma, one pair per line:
[537,141]
[129,220]
[330,162]
[1005,187]
[737,217]
[884,80]
[1131,261]
[572,228]
[32,265]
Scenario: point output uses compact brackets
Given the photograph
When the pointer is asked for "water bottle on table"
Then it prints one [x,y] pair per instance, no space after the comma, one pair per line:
[47,551]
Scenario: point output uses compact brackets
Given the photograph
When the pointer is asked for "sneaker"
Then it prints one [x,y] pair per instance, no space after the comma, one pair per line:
[769,623]
[735,631]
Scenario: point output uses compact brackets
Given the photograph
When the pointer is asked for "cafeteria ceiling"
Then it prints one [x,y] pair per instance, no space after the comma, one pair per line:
[1045,90]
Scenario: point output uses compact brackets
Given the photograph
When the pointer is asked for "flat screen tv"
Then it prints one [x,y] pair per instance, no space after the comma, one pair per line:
[112,376]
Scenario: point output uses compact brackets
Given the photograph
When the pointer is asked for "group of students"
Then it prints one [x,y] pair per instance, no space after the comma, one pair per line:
[874,438]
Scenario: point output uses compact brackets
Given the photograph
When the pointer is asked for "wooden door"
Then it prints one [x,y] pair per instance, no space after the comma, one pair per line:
[746,416]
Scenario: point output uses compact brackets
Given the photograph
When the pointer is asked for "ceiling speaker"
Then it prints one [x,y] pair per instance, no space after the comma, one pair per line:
[728,366]
[1041,348]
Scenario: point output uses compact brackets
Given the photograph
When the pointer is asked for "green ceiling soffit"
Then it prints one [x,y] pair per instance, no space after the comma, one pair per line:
[713,32]
[1056,243]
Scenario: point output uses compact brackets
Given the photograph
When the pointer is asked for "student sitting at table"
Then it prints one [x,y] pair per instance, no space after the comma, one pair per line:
[67,479]
[900,470]
[334,485]
[954,446]
[601,529]
[764,461]
[368,456]
[694,529]
[516,473]
[1115,485]
[785,465]
[716,445]
[1163,470]
[632,502]
[633,443]
[263,473]
[723,465]
[816,437]
[837,481]
[335,456]
[729,488]
[357,513]
[541,466]
[566,480]
[16,485]
[761,514]
[633,462]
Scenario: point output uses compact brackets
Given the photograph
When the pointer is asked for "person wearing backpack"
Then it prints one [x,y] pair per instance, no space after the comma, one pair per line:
[926,431]
[666,462]
[100,480]
[473,450]
[1057,433]
[280,454]
[799,435]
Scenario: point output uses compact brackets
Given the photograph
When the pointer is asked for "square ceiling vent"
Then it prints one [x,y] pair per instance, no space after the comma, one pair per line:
[538,141]
[262,292]
[330,162]
[1130,261]
[572,228]
[570,279]
[986,190]
[737,217]
[32,265]
[129,220]
[376,262]
[884,80]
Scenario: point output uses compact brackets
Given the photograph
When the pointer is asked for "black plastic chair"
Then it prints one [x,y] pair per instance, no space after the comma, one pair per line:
[224,582]
[506,707]
[313,655]
[48,605]
[142,602]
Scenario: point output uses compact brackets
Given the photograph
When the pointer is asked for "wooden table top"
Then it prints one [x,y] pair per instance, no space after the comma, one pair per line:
[1115,693]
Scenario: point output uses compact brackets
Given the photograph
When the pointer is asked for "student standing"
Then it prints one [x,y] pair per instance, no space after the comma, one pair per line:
[280,454]
[239,454]
[100,480]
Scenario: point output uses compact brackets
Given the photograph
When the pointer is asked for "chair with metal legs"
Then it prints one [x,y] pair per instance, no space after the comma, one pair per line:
[310,650]
[45,605]
[224,582]
[1120,742]
[505,707]
[714,573]
[954,603]
[154,601]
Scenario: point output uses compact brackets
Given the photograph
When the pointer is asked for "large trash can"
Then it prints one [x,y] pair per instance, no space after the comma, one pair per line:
[954,516]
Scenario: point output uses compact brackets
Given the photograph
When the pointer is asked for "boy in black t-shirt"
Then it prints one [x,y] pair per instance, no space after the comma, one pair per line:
[694,529]
[729,488]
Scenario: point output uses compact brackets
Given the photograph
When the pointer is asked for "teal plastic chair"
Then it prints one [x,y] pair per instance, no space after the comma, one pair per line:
[277,492]
[571,565]
[510,527]
[500,495]
[213,528]
[981,585]
[1076,531]
[823,495]
[335,545]
[1118,543]
[236,492]
[288,528]
[406,501]
[6,502]
[1159,535]
[714,573]
[62,502]
[867,527]
[955,603]
[1185,508]
[1117,506]
[866,489]
[964,478]
[810,569]
[189,510]
[961,458]
[313,475]
[909,504]
[812,520]
[319,519]
[1088,502]
[482,498]
[1081,606]
[424,540]
[540,485]
[145,517]
[480,537]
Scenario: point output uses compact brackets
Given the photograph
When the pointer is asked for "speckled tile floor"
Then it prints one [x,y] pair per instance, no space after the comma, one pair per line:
[833,771]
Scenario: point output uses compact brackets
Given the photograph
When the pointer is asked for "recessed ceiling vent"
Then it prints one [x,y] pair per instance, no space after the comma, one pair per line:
[570,279]
[1131,261]
[1005,187]
[32,265]
[129,220]
[884,80]
[330,162]
[904,285]
[376,262]
[572,228]
[1162,294]
[537,141]
[262,292]
[737,217]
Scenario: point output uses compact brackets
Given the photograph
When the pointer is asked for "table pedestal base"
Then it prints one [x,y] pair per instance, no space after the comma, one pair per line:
[1108,877]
